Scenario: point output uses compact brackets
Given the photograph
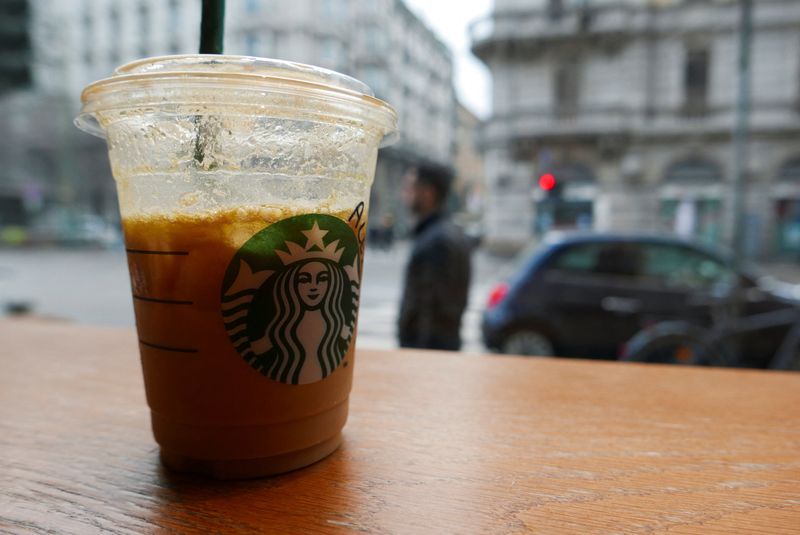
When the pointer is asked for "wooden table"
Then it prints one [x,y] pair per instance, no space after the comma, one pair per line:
[436,443]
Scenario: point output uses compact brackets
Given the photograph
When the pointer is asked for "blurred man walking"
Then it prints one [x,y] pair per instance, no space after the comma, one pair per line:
[438,271]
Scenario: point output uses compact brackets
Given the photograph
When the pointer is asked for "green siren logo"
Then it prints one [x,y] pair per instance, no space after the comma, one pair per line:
[290,297]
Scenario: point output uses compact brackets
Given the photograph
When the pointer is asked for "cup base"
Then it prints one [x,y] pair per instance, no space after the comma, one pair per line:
[251,468]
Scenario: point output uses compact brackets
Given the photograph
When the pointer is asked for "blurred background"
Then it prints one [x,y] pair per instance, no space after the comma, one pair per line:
[677,117]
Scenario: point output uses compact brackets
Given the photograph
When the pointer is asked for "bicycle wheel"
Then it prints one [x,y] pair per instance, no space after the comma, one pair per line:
[676,343]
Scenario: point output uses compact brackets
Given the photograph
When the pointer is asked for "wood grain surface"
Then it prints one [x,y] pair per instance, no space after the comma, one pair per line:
[436,443]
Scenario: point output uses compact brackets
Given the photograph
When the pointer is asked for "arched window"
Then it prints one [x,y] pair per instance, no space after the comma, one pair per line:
[574,173]
[691,199]
[790,171]
[693,170]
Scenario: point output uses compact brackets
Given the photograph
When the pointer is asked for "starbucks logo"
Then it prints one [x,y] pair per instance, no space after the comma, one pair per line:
[290,297]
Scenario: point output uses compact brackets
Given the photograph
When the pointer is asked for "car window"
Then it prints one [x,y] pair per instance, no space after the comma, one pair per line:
[678,266]
[599,259]
[579,258]
[658,264]
[619,260]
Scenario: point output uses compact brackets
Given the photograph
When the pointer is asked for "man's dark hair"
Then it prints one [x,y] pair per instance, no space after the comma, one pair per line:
[437,177]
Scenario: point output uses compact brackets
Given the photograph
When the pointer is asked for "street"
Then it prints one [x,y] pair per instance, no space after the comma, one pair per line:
[92,287]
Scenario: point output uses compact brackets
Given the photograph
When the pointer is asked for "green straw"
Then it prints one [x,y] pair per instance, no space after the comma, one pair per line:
[212,33]
[212,27]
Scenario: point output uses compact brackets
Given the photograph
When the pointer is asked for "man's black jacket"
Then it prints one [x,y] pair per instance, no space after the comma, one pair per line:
[436,286]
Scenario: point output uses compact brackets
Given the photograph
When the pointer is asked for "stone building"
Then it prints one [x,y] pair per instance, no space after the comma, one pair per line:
[630,105]
[469,185]
[378,41]
[53,173]
[79,41]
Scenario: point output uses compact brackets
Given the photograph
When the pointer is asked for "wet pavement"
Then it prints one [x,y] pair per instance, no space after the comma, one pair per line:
[92,287]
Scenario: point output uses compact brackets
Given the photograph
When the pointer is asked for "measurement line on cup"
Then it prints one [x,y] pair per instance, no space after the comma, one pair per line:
[163,301]
[167,348]
[150,251]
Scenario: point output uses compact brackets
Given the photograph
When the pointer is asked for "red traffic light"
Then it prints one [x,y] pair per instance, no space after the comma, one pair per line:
[547,181]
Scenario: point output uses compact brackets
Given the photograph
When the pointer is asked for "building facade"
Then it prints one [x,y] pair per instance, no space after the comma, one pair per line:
[631,106]
[378,41]
[80,41]
[469,185]
[54,174]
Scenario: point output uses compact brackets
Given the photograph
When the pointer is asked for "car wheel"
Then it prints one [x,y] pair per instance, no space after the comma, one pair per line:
[528,342]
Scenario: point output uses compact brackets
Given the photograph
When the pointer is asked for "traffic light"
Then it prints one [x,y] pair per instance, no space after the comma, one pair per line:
[547,182]
[550,186]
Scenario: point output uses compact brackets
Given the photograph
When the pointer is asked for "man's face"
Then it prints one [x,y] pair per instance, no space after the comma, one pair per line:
[420,199]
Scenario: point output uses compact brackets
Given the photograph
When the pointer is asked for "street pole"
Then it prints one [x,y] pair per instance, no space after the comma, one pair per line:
[741,131]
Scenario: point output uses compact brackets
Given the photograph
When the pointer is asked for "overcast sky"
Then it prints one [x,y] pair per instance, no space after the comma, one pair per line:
[450,21]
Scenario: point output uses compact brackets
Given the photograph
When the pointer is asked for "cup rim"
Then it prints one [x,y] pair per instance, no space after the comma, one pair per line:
[256,71]
[256,66]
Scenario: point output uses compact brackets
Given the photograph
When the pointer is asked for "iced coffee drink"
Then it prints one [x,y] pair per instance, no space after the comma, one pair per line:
[243,187]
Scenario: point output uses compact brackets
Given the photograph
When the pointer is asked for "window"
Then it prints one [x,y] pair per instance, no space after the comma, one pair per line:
[144,28]
[330,52]
[116,29]
[797,91]
[581,258]
[174,25]
[680,267]
[698,217]
[376,40]
[787,226]
[655,264]
[695,80]
[333,10]
[174,14]
[376,78]
[260,43]
[252,44]
[555,9]
[88,37]
[693,170]
[269,44]
[566,89]
[790,170]
[600,259]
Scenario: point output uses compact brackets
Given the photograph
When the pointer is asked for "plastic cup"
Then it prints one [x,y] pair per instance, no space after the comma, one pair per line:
[243,186]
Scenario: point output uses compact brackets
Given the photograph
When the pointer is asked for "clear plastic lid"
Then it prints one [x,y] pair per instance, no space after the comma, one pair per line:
[264,68]
[178,80]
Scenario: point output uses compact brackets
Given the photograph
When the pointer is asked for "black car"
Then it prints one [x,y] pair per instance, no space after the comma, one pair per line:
[586,295]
